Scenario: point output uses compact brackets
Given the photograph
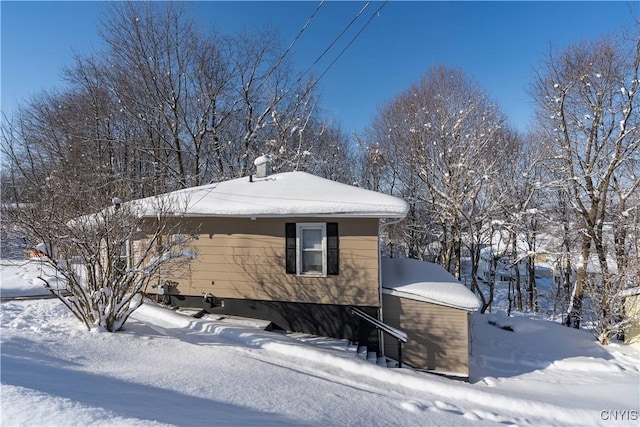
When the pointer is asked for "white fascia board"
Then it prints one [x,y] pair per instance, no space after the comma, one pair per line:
[422,298]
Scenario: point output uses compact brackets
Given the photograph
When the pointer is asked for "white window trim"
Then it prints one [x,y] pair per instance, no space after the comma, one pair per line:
[311,225]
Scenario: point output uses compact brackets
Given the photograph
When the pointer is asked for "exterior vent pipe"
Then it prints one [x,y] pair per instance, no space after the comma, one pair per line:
[263,166]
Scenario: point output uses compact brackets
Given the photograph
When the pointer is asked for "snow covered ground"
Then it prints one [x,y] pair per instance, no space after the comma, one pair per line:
[168,368]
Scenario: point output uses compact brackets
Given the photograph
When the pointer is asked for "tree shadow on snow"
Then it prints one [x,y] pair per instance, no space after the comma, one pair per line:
[128,399]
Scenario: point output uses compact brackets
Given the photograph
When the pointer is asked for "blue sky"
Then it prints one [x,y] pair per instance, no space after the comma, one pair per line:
[499,44]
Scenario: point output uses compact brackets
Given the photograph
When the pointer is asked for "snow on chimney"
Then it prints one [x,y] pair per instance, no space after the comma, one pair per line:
[263,166]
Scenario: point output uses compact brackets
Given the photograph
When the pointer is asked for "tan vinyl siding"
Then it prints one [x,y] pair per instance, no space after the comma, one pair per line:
[632,313]
[245,258]
[438,335]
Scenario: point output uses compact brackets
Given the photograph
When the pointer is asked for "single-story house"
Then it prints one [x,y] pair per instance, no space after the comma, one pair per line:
[292,248]
[433,308]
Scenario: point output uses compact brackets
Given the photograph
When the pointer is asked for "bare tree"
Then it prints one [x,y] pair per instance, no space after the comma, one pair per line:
[587,100]
[521,213]
[331,156]
[168,78]
[443,141]
[207,104]
[167,105]
[59,158]
[164,106]
[103,262]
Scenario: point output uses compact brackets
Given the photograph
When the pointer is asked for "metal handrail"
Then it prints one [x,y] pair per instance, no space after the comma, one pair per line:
[399,335]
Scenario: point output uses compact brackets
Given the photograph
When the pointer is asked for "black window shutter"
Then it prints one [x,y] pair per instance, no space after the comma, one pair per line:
[290,238]
[333,252]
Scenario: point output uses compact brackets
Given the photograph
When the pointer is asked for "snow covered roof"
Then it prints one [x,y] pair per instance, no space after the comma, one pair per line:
[282,194]
[425,281]
[261,160]
[629,292]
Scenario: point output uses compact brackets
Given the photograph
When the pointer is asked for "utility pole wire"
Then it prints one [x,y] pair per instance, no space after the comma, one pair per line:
[313,85]
[347,46]
[277,98]
[293,42]
[335,40]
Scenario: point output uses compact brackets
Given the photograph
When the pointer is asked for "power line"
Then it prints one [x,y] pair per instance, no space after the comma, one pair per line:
[313,85]
[282,57]
[293,42]
[349,44]
[336,39]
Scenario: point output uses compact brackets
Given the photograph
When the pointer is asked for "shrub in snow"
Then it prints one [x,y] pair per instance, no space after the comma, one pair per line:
[105,261]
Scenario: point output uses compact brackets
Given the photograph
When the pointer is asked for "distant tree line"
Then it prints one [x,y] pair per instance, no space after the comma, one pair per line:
[473,183]
[166,106]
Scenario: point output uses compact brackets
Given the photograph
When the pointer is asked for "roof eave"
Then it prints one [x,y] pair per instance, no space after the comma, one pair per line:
[395,292]
[285,215]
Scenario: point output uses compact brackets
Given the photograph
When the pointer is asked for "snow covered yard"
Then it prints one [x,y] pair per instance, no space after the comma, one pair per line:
[168,368]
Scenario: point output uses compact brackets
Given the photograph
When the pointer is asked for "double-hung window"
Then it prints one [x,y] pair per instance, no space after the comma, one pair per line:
[123,258]
[312,248]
